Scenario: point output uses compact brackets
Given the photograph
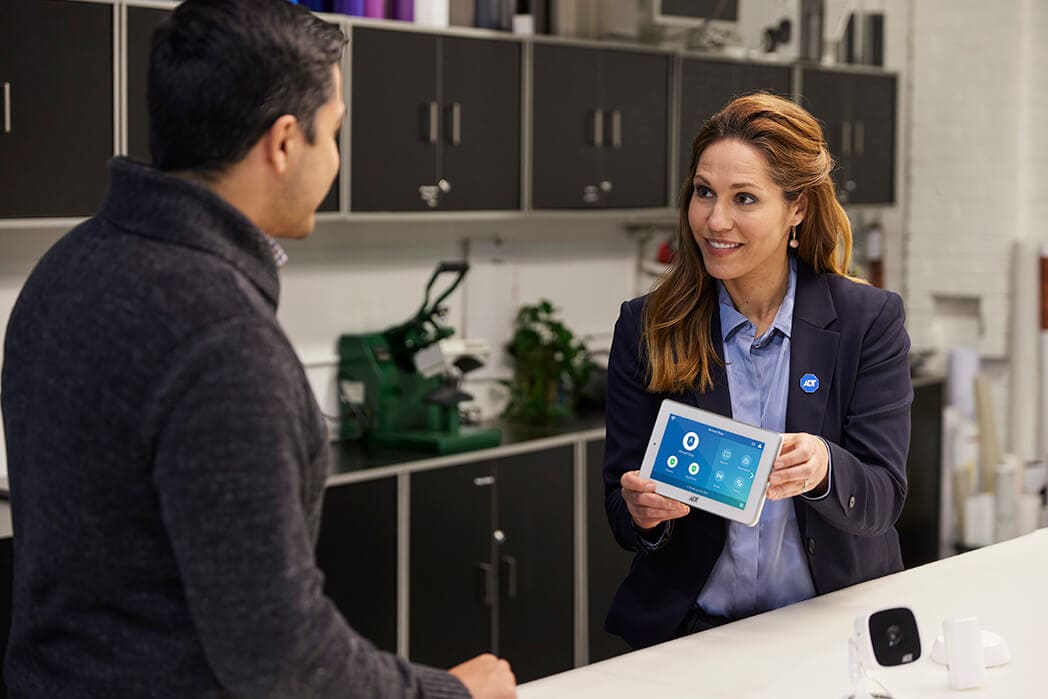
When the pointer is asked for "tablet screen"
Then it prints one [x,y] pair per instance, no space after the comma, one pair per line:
[707,460]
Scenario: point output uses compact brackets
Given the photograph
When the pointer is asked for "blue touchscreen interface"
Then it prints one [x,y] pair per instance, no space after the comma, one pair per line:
[707,461]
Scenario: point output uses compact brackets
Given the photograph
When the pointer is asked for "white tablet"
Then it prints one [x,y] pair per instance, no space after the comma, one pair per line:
[710,462]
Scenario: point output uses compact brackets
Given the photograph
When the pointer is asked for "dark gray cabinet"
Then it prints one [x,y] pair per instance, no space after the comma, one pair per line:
[858,111]
[357,552]
[56,106]
[599,125]
[141,22]
[492,563]
[708,85]
[435,122]
[606,562]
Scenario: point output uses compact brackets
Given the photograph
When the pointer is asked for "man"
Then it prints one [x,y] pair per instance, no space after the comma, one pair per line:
[166,456]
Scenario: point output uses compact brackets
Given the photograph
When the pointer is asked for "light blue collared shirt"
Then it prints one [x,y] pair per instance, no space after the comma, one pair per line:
[762,567]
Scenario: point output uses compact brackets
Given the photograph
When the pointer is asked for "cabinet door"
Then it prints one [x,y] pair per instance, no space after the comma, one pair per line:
[607,563]
[706,86]
[873,134]
[141,21]
[357,551]
[535,507]
[826,95]
[395,119]
[480,129]
[636,109]
[452,579]
[566,122]
[56,61]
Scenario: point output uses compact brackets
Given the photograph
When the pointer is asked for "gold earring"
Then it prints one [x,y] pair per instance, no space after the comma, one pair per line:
[793,238]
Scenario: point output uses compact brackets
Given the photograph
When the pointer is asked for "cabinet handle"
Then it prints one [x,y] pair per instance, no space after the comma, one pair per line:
[456,123]
[481,481]
[860,137]
[510,564]
[7,107]
[846,137]
[484,569]
[432,124]
[598,128]
[616,129]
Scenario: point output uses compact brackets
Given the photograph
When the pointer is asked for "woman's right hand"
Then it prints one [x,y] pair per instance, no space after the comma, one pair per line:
[648,508]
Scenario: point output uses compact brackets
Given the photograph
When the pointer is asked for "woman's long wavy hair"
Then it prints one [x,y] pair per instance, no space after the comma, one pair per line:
[678,311]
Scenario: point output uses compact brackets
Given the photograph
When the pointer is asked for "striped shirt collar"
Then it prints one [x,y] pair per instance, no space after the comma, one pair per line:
[279,256]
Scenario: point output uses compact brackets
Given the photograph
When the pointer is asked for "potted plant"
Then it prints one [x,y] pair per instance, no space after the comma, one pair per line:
[551,366]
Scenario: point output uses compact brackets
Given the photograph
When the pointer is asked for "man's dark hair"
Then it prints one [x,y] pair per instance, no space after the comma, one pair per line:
[222,71]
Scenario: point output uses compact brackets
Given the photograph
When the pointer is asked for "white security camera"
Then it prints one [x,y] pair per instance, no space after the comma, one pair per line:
[888,637]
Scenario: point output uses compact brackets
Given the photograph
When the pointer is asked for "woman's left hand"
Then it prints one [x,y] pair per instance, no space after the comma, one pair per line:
[802,467]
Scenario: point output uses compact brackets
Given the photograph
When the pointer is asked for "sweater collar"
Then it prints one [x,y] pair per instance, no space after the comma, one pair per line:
[144,201]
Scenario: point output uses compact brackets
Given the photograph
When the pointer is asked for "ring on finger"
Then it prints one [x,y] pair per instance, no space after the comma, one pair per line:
[804,486]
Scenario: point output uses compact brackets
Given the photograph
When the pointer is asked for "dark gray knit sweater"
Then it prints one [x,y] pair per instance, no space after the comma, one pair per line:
[167,462]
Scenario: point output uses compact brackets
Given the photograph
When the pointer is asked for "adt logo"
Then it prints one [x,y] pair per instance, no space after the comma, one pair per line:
[809,383]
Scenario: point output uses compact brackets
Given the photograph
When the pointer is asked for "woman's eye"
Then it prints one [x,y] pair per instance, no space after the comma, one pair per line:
[744,198]
[703,192]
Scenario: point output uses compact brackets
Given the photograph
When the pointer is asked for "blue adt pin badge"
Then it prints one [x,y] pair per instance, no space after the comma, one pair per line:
[809,383]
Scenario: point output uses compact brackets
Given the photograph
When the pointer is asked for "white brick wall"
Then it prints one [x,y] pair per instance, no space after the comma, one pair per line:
[977,160]
[963,162]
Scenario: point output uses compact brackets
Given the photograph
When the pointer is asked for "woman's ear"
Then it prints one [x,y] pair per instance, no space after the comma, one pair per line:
[800,209]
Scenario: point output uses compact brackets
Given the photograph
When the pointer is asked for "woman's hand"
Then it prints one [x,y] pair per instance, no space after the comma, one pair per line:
[802,467]
[648,508]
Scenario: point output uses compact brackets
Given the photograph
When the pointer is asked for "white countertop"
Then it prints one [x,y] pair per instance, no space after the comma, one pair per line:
[802,651]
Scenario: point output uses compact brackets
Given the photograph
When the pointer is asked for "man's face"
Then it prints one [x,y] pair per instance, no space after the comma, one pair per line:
[313,167]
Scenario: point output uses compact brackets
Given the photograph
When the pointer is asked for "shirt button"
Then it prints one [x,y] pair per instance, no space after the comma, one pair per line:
[851,502]
[811,546]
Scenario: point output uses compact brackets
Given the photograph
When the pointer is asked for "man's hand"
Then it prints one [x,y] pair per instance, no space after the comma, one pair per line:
[487,677]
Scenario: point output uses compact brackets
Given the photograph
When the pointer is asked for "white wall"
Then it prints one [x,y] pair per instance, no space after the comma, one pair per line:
[977,160]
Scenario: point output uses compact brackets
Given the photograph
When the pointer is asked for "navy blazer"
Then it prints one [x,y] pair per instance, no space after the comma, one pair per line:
[852,337]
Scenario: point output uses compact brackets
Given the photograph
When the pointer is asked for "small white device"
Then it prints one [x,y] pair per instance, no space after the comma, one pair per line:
[964,653]
[995,649]
[887,637]
[710,462]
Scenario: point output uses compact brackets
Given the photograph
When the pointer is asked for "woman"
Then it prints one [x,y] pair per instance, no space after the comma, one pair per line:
[758,297]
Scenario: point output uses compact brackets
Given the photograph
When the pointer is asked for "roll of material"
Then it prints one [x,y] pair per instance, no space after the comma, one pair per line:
[1005,501]
[375,8]
[979,521]
[404,10]
[1024,404]
[963,366]
[1043,393]
[354,8]
[989,442]
[433,13]
[1027,514]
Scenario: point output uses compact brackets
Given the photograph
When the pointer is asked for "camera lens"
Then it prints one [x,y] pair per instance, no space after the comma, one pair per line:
[894,635]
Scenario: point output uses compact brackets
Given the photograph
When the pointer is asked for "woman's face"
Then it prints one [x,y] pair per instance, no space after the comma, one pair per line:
[739,217]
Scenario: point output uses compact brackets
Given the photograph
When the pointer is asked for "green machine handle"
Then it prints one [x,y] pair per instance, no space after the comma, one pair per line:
[425,311]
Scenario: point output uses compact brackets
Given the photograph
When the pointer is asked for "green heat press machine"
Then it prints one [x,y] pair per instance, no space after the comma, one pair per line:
[400,387]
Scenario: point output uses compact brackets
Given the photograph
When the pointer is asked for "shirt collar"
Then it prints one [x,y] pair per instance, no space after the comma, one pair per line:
[731,320]
[279,255]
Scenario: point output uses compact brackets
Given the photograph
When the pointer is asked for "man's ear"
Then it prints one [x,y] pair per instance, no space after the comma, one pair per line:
[279,141]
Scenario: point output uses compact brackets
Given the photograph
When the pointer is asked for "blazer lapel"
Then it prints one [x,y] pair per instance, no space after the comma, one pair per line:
[813,353]
[813,359]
